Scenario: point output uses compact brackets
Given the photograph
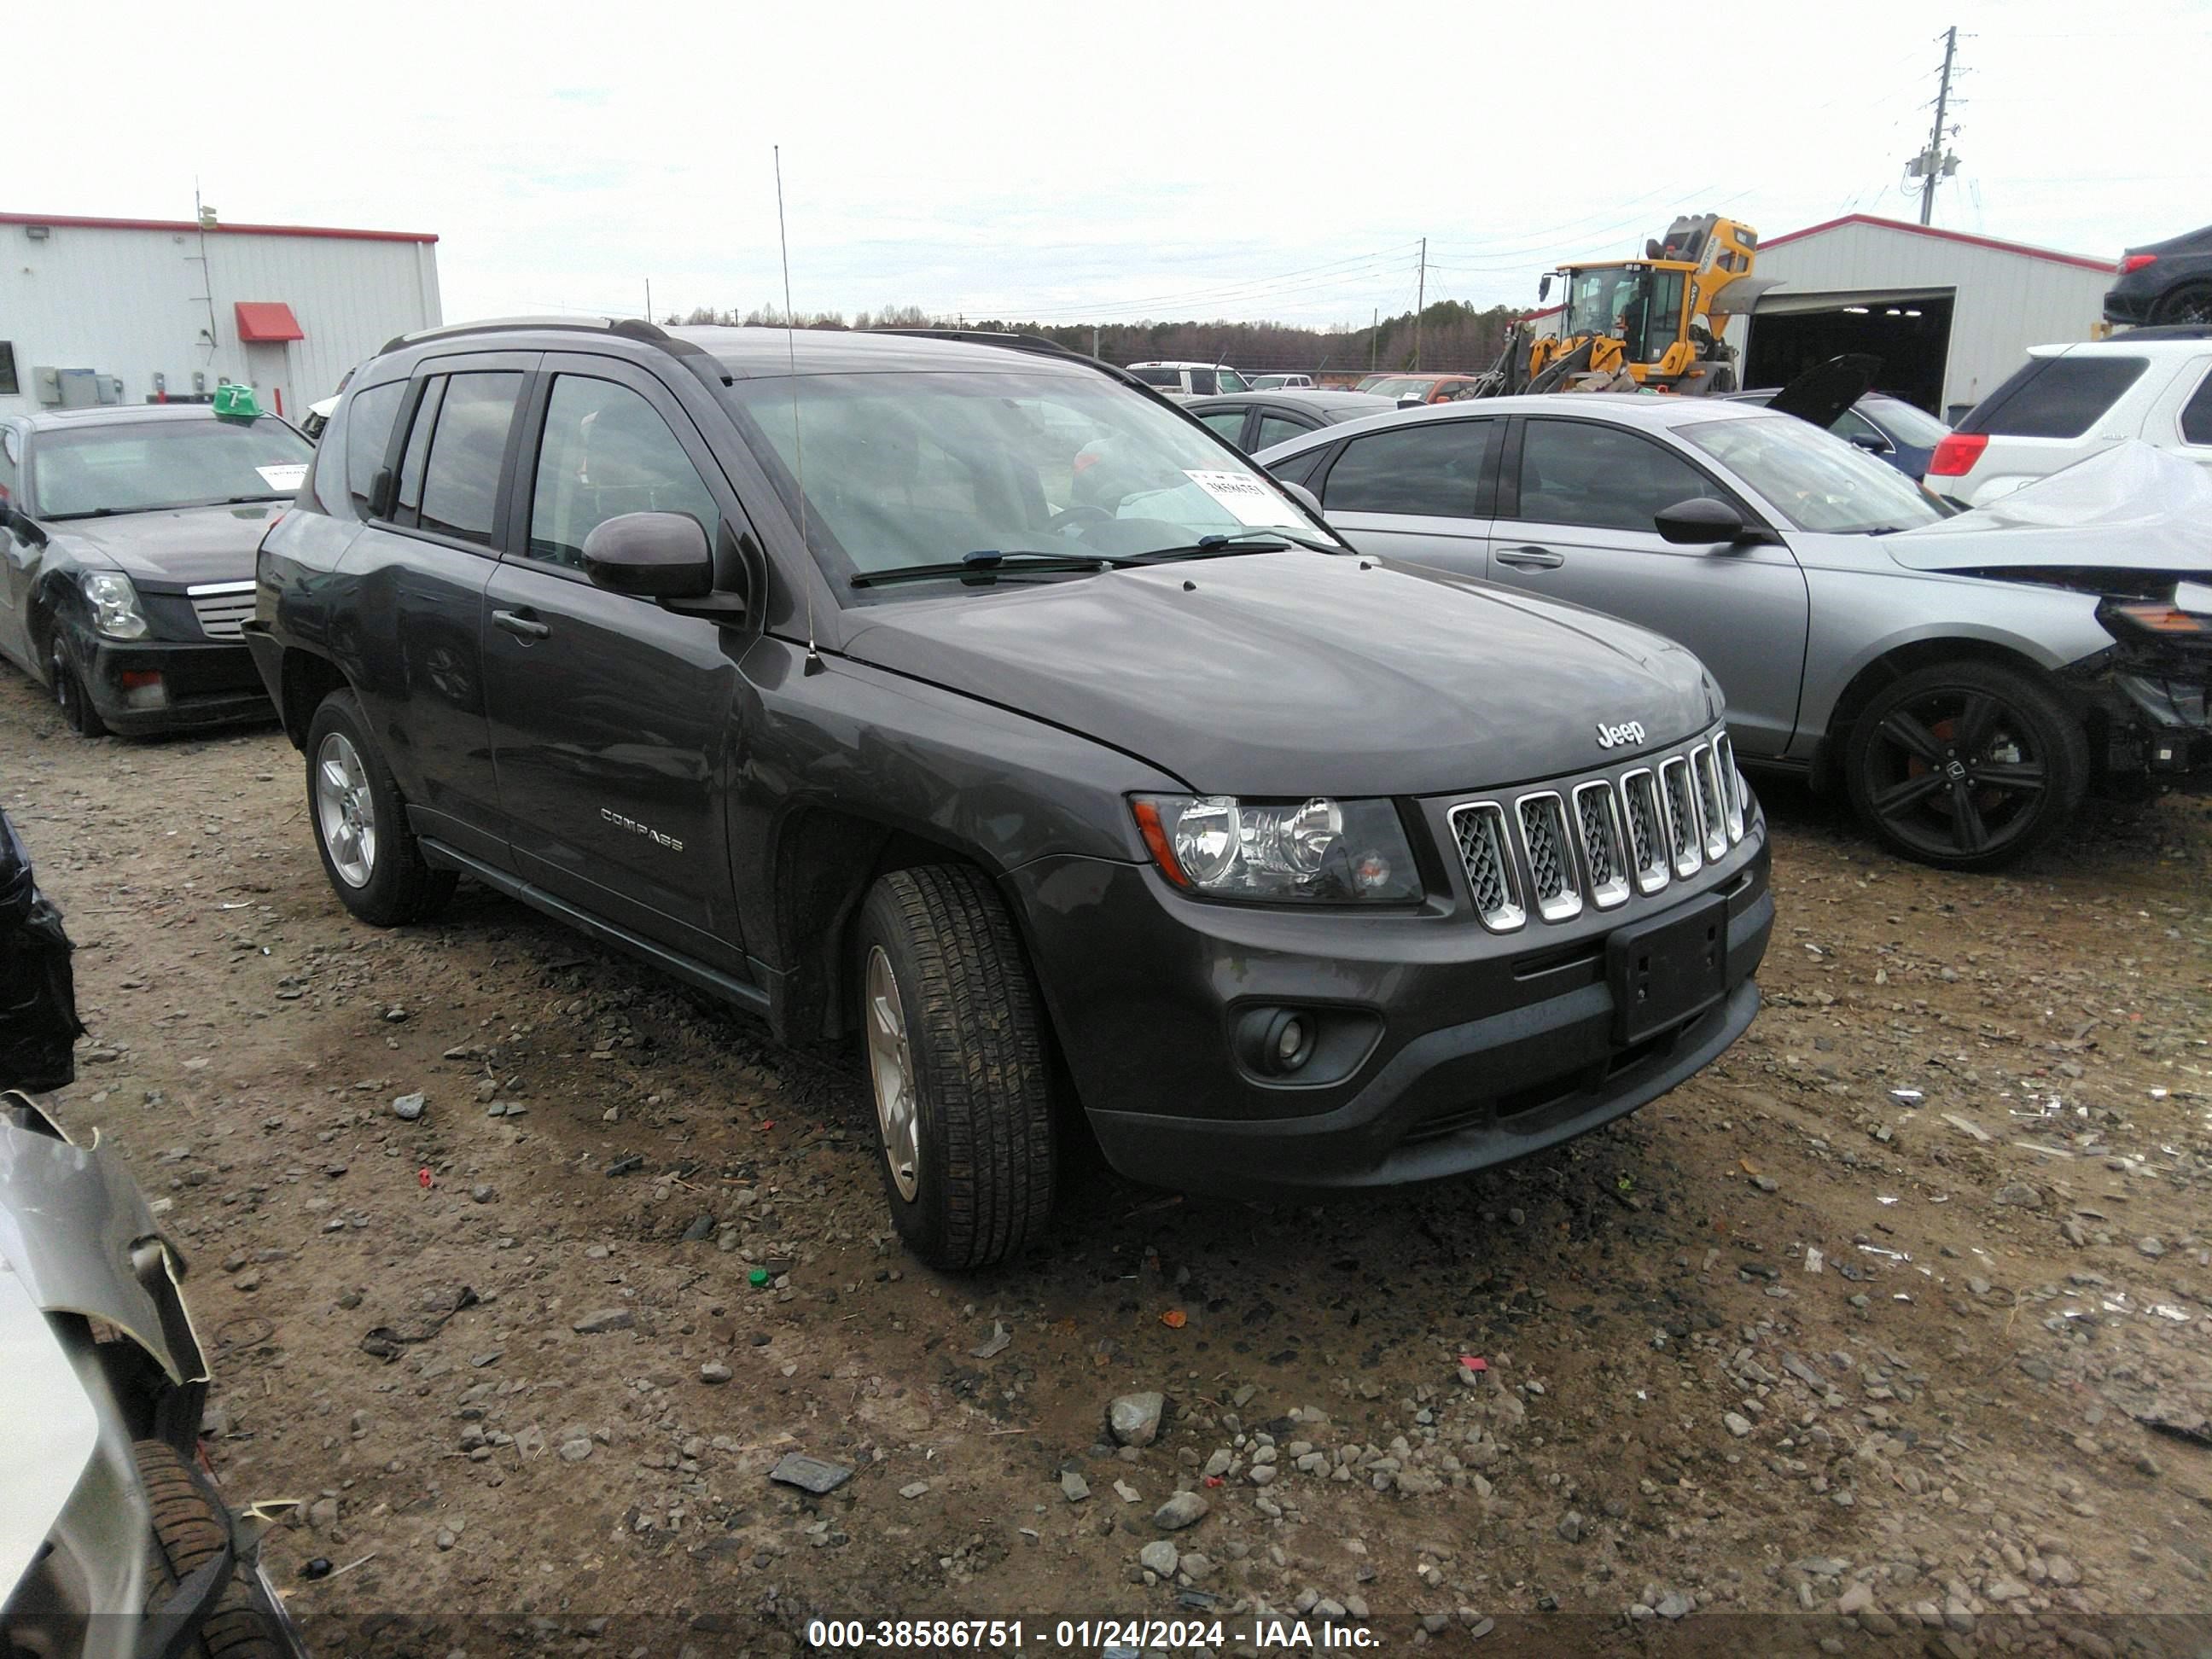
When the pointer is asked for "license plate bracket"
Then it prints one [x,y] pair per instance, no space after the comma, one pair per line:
[1664,971]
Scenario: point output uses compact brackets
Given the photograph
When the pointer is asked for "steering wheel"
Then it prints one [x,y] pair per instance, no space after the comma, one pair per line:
[1069,517]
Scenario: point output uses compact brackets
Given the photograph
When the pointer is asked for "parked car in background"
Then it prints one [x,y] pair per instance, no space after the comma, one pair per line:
[1190,379]
[1964,680]
[1904,434]
[126,558]
[2168,281]
[1423,388]
[1307,874]
[1281,382]
[2067,402]
[1254,420]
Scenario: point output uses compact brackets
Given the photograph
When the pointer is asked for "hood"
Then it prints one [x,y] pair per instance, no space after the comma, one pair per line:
[176,546]
[41,1469]
[1296,673]
[1824,392]
[2130,508]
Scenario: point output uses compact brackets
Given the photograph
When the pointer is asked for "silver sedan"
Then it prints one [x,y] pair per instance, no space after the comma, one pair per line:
[1963,682]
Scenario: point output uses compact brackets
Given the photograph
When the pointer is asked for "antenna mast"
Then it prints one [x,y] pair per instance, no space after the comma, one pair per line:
[797,442]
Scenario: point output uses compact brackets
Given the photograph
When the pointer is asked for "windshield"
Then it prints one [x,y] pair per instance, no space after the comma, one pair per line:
[1598,298]
[137,467]
[917,469]
[1814,478]
[1906,423]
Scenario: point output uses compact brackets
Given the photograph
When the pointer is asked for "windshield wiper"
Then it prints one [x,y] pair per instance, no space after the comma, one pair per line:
[89,512]
[1259,539]
[278,496]
[990,564]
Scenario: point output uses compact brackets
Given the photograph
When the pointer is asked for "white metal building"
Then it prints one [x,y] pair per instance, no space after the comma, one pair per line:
[137,310]
[1949,314]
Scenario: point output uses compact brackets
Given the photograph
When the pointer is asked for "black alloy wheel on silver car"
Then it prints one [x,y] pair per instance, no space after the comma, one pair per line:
[1967,765]
[952,1035]
[374,864]
[69,695]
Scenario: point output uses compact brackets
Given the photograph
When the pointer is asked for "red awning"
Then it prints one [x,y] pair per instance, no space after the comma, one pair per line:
[264,320]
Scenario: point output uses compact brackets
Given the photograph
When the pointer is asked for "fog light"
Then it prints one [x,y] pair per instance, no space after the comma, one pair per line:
[1276,1042]
[143,688]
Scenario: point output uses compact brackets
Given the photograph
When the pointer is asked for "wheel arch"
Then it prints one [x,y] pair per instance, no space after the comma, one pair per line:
[1895,660]
[304,679]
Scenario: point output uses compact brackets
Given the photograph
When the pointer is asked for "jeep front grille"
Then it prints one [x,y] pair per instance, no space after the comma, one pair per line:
[1705,773]
[1551,859]
[219,607]
[1597,819]
[1481,832]
[1603,840]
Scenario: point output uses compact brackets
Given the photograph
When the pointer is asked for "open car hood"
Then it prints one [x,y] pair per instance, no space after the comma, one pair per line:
[2131,509]
[1824,392]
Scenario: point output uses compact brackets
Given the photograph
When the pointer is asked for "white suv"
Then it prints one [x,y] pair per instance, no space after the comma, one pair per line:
[2068,403]
[1178,380]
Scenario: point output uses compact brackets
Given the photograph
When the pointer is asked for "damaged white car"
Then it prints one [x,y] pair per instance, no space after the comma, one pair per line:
[113,1540]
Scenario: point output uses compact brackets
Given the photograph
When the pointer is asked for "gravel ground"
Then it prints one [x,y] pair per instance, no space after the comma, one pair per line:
[1892,1325]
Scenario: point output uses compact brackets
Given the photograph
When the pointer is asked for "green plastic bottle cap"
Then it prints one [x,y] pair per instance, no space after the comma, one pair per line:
[758,1276]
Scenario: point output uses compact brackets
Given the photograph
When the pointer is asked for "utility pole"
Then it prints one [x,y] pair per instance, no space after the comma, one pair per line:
[1420,302]
[1373,324]
[1933,163]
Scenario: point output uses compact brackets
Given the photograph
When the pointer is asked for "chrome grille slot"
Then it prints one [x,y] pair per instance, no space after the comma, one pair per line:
[1683,830]
[1647,830]
[1597,818]
[1711,808]
[1479,830]
[219,607]
[1731,785]
[1551,874]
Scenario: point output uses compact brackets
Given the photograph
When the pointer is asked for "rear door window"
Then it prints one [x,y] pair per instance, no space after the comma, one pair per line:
[1438,468]
[408,501]
[1229,423]
[460,486]
[2196,416]
[2054,397]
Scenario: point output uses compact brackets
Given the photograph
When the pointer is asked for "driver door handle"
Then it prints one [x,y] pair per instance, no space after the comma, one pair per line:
[1532,558]
[519,623]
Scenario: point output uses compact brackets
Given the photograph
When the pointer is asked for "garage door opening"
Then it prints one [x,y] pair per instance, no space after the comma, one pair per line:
[1911,335]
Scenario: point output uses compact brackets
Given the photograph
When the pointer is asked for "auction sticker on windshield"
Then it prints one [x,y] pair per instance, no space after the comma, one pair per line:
[1252,502]
[285,476]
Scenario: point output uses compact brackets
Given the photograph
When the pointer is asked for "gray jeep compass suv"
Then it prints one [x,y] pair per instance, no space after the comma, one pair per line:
[966,698]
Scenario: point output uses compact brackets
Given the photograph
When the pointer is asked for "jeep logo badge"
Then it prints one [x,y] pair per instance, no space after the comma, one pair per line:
[1627,735]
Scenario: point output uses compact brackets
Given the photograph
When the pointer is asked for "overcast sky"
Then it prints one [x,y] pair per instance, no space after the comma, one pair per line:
[1098,161]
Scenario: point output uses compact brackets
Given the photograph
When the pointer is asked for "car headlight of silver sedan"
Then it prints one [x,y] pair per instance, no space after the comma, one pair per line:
[1315,851]
[114,604]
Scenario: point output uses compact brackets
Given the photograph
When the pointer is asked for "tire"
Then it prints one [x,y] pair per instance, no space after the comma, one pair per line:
[2190,303]
[373,860]
[1967,766]
[187,1534]
[69,695]
[968,1165]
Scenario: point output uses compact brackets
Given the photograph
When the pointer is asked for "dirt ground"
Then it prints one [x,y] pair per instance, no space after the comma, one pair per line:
[1888,1331]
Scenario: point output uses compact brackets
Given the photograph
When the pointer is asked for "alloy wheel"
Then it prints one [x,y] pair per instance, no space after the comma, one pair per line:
[890,1066]
[345,812]
[1956,771]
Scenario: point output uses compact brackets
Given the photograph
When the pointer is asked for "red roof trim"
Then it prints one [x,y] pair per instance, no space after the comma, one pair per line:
[266,322]
[74,223]
[2022,248]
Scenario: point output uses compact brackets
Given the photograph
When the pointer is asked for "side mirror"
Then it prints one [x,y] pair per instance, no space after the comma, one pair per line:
[651,555]
[1701,520]
[1544,288]
[16,521]
[1872,442]
[1299,493]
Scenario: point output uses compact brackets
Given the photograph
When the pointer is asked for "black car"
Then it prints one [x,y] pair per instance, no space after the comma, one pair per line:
[126,558]
[968,698]
[1254,421]
[1904,434]
[2168,281]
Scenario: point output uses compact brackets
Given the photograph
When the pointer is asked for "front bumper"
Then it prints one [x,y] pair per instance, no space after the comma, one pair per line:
[201,685]
[1150,991]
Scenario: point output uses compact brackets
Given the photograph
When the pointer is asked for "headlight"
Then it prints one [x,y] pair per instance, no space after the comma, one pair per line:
[114,606]
[1322,851]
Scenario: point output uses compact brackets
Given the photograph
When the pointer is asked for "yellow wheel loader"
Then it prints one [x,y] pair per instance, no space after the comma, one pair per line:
[1653,324]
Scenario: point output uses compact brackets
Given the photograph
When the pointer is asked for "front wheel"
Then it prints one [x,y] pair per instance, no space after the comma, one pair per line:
[953,1039]
[1967,766]
[69,695]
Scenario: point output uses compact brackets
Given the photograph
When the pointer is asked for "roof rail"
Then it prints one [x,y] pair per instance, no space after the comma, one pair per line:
[628,328]
[1031,343]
